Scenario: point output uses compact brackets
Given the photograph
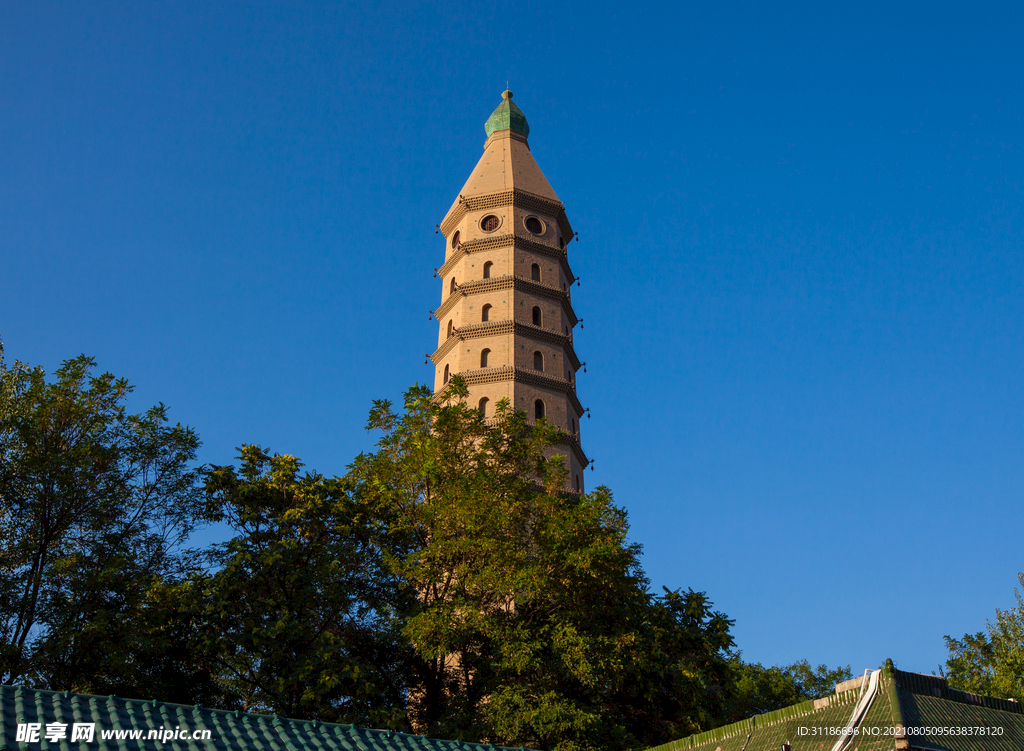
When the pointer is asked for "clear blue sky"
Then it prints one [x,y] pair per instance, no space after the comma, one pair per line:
[800,251]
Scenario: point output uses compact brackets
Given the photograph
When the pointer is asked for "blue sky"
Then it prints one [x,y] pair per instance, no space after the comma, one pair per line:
[800,251]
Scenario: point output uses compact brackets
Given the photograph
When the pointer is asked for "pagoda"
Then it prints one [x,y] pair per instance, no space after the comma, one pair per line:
[506,318]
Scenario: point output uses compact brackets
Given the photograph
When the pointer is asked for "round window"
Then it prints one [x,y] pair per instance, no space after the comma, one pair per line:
[456,239]
[535,225]
[490,223]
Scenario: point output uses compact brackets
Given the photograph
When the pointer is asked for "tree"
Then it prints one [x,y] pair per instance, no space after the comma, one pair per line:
[756,689]
[530,618]
[300,617]
[678,678]
[94,503]
[991,662]
[123,629]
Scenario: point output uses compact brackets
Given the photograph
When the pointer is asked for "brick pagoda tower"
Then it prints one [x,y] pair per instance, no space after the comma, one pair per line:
[506,317]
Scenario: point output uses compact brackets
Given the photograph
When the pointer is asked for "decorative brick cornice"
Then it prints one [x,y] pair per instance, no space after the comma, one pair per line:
[522,375]
[516,198]
[510,281]
[574,444]
[503,241]
[503,327]
[507,281]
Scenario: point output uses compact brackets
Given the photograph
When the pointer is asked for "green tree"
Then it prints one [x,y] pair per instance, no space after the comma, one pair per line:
[991,662]
[300,617]
[756,689]
[530,617]
[678,678]
[123,629]
[94,502]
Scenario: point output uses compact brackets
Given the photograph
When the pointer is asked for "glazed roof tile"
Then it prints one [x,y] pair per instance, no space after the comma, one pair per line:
[228,731]
[929,713]
[507,116]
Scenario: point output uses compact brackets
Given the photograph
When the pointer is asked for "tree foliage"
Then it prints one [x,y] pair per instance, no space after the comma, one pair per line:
[448,583]
[531,618]
[756,689]
[94,502]
[991,662]
[300,616]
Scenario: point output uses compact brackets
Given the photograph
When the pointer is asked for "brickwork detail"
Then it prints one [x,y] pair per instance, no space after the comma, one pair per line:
[508,281]
[497,328]
[505,298]
[504,241]
[510,198]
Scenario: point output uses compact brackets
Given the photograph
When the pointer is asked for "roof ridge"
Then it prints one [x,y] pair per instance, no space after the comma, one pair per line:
[910,705]
[766,719]
[923,684]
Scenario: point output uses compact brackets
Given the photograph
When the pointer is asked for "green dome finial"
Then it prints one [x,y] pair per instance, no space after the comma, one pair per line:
[507,117]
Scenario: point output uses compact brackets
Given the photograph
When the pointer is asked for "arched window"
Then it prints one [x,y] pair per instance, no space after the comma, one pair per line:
[483,407]
[538,361]
[572,423]
[538,409]
[483,357]
[577,483]
[486,314]
[561,242]
[451,328]
[535,272]
[446,373]
[487,270]
[537,319]
[451,287]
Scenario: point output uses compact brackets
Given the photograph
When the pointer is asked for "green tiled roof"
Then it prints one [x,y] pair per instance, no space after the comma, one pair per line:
[507,117]
[228,731]
[927,710]
[928,702]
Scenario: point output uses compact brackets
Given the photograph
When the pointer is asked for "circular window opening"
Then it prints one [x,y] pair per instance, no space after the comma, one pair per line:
[535,225]
[456,239]
[490,223]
